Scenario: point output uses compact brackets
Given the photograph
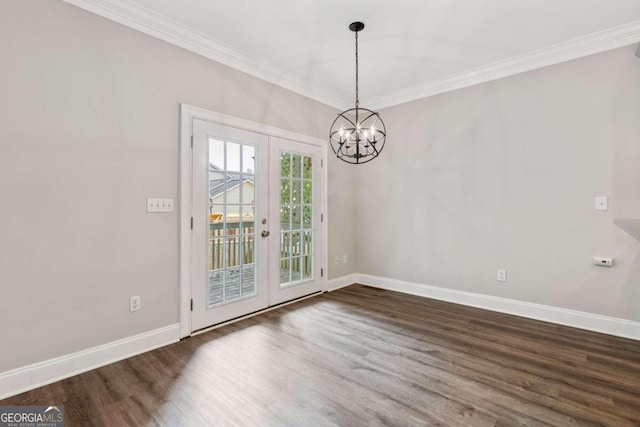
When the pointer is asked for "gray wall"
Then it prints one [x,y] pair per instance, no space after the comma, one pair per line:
[89,123]
[504,175]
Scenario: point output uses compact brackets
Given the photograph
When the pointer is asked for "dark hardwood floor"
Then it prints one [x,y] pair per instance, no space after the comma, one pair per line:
[363,356]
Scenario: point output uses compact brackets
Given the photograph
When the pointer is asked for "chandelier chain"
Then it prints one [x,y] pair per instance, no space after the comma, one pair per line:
[357,100]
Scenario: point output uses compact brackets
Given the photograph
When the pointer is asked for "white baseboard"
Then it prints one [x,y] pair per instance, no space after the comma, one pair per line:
[43,373]
[32,376]
[561,316]
[341,282]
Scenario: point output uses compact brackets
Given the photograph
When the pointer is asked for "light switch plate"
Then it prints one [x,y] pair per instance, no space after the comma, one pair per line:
[159,205]
[602,203]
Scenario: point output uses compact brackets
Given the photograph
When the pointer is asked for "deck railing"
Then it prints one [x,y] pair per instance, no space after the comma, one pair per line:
[239,249]
[239,241]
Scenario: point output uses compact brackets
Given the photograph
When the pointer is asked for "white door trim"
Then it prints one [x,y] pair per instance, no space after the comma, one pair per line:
[187,114]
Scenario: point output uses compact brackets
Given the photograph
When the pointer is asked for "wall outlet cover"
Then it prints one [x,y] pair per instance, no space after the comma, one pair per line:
[501,275]
[134,304]
[601,203]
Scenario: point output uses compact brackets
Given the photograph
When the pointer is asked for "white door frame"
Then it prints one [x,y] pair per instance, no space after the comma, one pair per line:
[187,114]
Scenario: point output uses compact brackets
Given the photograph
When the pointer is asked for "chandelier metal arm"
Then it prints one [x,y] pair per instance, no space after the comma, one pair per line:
[374,149]
[349,120]
[369,116]
[340,151]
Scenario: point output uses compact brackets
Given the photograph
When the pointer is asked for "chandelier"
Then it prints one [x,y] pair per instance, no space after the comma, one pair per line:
[357,135]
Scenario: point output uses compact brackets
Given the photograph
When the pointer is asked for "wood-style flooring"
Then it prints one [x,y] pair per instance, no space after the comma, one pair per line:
[361,356]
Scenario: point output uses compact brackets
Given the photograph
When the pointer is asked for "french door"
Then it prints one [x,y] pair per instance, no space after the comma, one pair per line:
[256,238]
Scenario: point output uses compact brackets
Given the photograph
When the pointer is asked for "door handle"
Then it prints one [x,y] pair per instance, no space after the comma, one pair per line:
[265,233]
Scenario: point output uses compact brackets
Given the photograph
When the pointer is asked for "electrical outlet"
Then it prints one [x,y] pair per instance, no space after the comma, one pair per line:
[345,259]
[337,259]
[502,275]
[602,203]
[134,304]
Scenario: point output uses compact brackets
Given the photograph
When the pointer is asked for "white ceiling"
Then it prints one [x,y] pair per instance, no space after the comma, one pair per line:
[408,50]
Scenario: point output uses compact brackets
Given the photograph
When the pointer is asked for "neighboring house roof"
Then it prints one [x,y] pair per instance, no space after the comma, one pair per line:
[231,185]
[217,179]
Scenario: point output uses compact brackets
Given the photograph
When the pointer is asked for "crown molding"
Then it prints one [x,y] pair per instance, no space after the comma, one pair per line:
[132,15]
[572,49]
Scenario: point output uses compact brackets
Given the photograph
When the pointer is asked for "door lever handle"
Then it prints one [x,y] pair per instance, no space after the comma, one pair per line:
[265,233]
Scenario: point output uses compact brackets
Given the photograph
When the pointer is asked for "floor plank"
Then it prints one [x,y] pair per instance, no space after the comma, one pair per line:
[365,356]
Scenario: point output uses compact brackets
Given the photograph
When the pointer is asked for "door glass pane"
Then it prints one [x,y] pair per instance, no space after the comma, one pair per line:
[296,218]
[296,272]
[307,267]
[285,192]
[307,163]
[248,249]
[306,216]
[247,219]
[296,192]
[296,215]
[248,190]
[285,217]
[216,254]
[216,159]
[306,192]
[285,165]
[296,165]
[232,254]
[285,245]
[285,271]
[295,243]
[231,283]
[216,287]
[233,157]
[307,248]
[232,243]
[248,279]
[248,159]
